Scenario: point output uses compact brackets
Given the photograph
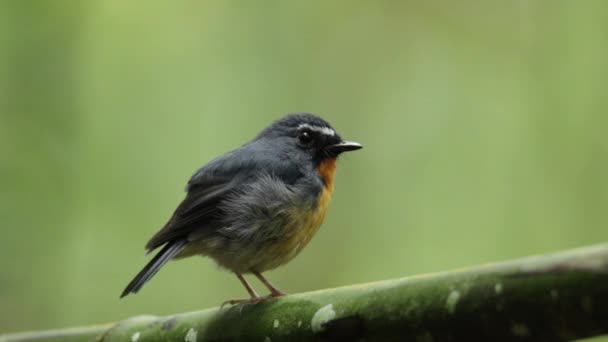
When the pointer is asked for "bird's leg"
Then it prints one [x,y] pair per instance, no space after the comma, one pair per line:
[254,296]
[274,292]
[250,289]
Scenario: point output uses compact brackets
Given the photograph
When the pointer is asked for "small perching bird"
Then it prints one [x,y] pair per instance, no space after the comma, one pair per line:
[254,208]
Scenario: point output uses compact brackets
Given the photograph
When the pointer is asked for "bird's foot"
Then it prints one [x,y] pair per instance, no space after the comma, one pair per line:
[277,293]
[253,300]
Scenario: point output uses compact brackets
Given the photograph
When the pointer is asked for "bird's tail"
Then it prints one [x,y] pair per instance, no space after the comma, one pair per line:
[170,250]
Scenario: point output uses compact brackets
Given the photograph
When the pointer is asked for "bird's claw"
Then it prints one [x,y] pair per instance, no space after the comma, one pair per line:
[277,293]
[253,300]
[242,301]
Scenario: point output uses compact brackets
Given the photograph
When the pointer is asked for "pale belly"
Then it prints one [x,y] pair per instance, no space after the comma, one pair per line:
[302,226]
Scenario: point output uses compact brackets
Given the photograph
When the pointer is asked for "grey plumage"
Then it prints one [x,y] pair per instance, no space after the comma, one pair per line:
[247,208]
[255,217]
[228,175]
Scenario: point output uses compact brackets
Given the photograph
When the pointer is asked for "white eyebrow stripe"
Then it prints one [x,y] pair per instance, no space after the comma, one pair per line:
[322,130]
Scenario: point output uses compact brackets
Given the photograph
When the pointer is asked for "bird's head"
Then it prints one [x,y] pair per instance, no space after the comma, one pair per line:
[309,134]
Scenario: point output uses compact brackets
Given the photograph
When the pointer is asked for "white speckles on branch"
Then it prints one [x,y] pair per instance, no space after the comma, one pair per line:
[452,301]
[135,337]
[322,316]
[520,330]
[498,288]
[276,323]
[191,335]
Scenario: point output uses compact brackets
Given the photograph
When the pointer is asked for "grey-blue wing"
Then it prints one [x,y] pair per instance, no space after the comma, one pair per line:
[201,211]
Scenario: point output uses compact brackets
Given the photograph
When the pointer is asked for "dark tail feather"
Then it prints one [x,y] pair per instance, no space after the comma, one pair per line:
[170,250]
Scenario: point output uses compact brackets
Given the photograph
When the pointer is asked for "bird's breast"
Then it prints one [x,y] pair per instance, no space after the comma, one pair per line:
[306,221]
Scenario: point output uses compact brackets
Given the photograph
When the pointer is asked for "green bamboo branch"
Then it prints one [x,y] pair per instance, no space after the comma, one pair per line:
[557,297]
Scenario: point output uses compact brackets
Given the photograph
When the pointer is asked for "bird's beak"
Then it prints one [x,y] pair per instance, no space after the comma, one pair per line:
[344,146]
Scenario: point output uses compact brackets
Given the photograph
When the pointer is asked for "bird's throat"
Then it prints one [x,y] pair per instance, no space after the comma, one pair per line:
[327,170]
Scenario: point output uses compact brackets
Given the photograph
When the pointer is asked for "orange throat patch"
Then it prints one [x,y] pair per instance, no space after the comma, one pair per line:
[327,171]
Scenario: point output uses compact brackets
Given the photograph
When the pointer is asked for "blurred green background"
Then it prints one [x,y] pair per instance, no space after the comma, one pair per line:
[484,125]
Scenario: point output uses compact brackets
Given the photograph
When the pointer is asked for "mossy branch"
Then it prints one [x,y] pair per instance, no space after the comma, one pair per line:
[557,297]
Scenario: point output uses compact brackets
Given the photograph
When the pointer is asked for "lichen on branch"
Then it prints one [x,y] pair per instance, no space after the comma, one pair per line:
[556,297]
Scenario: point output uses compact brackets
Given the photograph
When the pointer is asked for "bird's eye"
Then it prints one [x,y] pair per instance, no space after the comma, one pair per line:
[305,138]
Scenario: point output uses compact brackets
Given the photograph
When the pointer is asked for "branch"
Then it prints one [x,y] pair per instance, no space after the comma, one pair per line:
[558,297]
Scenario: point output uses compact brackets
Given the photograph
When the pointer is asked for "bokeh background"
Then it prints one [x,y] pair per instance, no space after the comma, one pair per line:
[484,125]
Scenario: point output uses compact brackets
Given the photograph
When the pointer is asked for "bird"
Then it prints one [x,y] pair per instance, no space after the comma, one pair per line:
[254,208]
